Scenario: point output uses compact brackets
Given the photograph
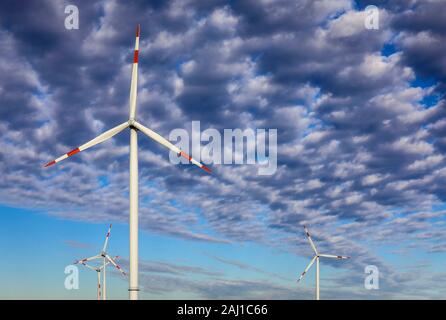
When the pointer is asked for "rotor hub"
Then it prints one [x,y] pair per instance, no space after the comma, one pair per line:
[132,122]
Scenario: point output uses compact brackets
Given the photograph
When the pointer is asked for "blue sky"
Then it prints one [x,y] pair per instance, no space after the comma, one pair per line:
[361,124]
[44,246]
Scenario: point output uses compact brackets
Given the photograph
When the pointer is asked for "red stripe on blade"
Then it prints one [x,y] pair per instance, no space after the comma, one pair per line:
[138,30]
[185,155]
[206,169]
[73,152]
[50,163]
[135,57]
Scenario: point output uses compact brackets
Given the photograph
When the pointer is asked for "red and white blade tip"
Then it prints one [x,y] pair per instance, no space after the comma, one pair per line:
[50,163]
[68,154]
[80,261]
[189,158]
[206,169]
[120,269]
[138,30]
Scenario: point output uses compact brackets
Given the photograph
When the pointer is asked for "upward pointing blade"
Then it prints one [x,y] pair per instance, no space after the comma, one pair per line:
[101,138]
[106,239]
[155,136]
[134,83]
[310,240]
[307,268]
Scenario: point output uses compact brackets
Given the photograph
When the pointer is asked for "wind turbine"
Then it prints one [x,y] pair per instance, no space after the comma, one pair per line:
[98,270]
[106,260]
[316,258]
[134,128]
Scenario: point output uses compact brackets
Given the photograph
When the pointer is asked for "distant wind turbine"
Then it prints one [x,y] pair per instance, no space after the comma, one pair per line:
[106,260]
[98,270]
[316,258]
[134,128]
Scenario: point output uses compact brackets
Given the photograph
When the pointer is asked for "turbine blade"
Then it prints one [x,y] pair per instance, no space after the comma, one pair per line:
[87,259]
[88,266]
[115,264]
[333,256]
[101,138]
[307,268]
[108,262]
[134,83]
[310,240]
[106,239]
[155,136]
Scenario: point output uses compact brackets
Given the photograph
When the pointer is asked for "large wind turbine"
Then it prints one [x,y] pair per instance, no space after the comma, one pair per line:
[316,258]
[106,260]
[134,128]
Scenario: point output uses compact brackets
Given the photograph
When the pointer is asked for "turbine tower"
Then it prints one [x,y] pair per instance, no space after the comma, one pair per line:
[316,258]
[106,260]
[134,128]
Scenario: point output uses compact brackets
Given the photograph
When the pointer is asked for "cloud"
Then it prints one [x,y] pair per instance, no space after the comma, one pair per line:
[160,267]
[77,245]
[244,266]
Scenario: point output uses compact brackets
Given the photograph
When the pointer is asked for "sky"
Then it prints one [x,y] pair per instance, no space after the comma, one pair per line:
[360,118]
